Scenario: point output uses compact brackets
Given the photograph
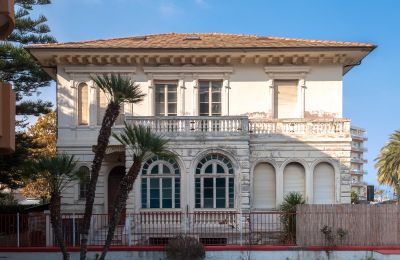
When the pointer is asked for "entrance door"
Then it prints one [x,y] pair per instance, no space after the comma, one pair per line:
[114,178]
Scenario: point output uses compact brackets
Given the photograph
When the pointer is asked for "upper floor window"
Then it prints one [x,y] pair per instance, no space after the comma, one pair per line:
[210,98]
[166,98]
[83,104]
[214,182]
[84,182]
[161,183]
[286,99]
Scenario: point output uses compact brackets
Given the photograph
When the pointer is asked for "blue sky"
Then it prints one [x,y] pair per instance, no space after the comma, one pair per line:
[371,90]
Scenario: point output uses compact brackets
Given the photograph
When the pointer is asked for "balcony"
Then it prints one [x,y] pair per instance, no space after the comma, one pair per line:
[359,160]
[358,172]
[242,125]
[358,183]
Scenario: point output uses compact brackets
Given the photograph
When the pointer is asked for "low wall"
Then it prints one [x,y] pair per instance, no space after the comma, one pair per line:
[365,225]
[212,255]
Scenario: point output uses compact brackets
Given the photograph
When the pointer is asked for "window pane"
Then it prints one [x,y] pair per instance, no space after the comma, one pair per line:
[220,169]
[171,108]
[216,108]
[166,170]
[231,193]
[204,111]
[171,96]
[154,193]
[197,192]
[216,97]
[154,170]
[144,193]
[216,85]
[160,109]
[209,169]
[220,203]
[167,203]
[167,188]
[177,193]
[208,193]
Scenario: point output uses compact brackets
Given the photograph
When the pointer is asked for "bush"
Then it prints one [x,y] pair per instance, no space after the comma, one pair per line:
[288,219]
[184,247]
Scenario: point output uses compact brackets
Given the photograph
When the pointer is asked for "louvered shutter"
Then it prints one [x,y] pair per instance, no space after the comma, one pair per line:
[285,103]
[264,183]
[83,106]
[102,103]
[324,184]
[294,179]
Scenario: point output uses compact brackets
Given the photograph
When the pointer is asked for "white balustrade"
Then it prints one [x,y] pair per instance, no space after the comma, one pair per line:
[241,124]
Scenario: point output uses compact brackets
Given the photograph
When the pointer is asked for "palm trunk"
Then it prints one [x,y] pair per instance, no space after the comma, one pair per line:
[125,187]
[56,222]
[110,116]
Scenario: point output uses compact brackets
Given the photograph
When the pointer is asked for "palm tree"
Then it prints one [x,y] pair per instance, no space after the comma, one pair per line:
[143,143]
[388,163]
[119,89]
[288,217]
[58,171]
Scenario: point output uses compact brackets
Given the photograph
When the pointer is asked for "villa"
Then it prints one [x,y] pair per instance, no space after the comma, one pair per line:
[250,118]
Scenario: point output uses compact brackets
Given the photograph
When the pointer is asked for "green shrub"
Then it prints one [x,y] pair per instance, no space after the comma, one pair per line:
[183,248]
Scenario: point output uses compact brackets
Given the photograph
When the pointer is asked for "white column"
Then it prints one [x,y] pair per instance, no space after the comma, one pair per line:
[74,94]
[225,96]
[181,97]
[302,92]
[92,104]
[195,103]
[271,89]
[133,202]
[150,95]
[309,186]
[279,186]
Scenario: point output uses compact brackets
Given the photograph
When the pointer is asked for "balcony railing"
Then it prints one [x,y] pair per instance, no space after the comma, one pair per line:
[182,125]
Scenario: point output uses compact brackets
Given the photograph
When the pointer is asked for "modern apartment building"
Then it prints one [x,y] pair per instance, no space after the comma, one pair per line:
[357,170]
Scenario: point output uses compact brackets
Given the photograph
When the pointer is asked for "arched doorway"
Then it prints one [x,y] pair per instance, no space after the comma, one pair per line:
[114,178]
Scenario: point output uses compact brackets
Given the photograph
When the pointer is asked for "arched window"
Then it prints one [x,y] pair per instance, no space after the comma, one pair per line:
[161,183]
[264,186]
[214,182]
[324,184]
[294,179]
[83,104]
[84,181]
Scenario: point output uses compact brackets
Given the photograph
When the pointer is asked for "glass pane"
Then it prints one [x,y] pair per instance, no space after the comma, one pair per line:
[209,169]
[216,85]
[167,203]
[171,108]
[216,108]
[167,188]
[160,109]
[144,193]
[231,192]
[197,192]
[166,170]
[208,203]
[220,203]
[208,195]
[204,95]
[216,97]
[220,169]
[171,96]
[154,193]
[177,193]
[204,110]
[154,170]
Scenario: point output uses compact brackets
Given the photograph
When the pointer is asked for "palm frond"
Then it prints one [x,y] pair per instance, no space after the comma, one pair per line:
[119,88]
[388,162]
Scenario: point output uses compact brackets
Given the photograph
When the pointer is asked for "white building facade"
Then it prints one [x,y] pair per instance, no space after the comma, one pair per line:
[249,118]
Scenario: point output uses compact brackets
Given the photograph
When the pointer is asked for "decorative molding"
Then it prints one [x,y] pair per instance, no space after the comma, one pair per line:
[100,69]
[188,69]
[287,72]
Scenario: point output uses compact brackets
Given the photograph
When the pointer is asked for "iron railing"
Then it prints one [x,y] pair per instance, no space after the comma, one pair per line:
[154,228]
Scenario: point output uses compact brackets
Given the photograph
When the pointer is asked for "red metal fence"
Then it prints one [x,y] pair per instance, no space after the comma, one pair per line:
[154,228]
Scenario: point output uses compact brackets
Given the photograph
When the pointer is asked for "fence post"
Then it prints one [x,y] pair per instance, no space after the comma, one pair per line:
[49,234]
[73,229]
[241,227]
[129,229]
[17,229]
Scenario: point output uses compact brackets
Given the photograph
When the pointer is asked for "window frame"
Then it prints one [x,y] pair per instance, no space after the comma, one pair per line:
[229,178]
[83,185]
[210,97]
[79,107]
[147,176]
[165,84]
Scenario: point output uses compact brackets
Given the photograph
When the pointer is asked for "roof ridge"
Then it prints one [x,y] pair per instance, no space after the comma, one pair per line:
[311,40]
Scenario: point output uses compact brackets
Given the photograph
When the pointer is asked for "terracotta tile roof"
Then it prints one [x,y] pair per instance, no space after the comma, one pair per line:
[200,41]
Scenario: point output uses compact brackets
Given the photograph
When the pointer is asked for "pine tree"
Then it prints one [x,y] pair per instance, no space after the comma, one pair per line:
[18,66]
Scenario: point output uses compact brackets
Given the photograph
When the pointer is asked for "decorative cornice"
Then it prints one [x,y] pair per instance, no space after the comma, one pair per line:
[188,69]
[100,69]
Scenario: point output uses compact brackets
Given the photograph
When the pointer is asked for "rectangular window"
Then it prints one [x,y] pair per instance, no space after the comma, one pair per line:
[210,98]
[166,99]
[286,99]
[154,193]
[83,187]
